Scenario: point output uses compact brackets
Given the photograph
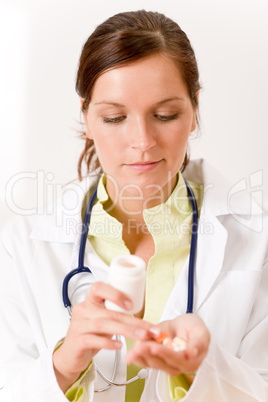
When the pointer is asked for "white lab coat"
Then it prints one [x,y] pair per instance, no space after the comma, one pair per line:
[231,295]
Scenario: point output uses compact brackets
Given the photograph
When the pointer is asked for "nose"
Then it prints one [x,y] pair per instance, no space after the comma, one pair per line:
[141,135]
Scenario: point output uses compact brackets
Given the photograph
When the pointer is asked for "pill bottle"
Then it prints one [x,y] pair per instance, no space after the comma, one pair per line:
[127,273]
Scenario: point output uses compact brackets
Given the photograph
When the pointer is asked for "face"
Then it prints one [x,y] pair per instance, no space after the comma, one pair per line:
[140,118]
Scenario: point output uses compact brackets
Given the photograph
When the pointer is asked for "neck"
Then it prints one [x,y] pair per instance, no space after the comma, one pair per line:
[131,205]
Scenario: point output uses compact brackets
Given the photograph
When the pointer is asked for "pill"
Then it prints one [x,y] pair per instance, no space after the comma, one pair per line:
[162,336]
[177,344]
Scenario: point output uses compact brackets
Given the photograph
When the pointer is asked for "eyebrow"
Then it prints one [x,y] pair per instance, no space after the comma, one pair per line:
[169,100]
[107,102]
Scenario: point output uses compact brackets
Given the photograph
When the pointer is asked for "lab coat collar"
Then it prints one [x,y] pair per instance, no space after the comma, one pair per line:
[220,198]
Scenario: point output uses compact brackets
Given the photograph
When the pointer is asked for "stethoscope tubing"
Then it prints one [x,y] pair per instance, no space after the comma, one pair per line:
[85,228]
[81,268]
[81,256]
[192,257]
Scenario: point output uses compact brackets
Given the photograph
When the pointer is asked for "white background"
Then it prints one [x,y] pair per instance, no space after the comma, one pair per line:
[40,45]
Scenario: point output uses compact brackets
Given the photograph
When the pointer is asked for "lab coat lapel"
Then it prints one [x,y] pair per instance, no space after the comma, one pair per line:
[212,238]
[92,260]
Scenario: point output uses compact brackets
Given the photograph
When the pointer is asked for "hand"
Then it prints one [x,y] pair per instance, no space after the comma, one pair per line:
[91,329]
[190,328]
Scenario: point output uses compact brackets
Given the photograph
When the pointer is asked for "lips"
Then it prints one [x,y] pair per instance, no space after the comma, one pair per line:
[144,166]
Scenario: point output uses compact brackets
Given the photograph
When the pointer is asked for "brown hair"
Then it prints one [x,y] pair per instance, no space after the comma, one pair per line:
[125,38]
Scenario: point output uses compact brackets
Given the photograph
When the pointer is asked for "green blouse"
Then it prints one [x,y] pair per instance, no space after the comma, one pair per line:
[170,226]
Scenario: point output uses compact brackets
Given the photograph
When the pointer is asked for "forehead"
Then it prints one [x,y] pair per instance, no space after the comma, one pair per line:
[153,76]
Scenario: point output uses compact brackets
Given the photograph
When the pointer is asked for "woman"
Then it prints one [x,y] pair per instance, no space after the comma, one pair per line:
[138,84]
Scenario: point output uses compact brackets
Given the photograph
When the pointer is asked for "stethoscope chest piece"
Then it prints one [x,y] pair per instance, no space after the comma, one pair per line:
[76,287]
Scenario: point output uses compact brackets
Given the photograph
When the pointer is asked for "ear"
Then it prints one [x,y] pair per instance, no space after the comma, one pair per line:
[82,100]
[88,132]
[194,123]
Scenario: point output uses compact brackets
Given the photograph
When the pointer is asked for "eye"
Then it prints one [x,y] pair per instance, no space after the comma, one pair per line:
[113,119]
[164,118]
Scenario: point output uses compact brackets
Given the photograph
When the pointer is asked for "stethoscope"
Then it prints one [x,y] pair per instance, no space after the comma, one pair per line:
[82,269]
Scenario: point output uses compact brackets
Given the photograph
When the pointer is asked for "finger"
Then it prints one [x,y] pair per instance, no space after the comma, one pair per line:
[109,326]
[146,359]
[98,342]
[169,358]
[187,361]
[100,291]
[100,320]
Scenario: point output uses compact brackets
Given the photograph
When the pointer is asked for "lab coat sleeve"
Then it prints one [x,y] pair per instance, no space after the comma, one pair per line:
[26,369]
[222,377]
[225,377]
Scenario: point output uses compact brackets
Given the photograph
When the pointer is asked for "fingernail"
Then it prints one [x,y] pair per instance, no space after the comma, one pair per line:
[118,344]
[128,304]
[155,331]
